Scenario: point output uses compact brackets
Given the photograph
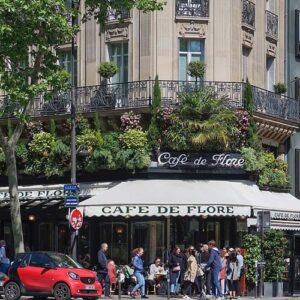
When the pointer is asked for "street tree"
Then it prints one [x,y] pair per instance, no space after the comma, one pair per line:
[30,34]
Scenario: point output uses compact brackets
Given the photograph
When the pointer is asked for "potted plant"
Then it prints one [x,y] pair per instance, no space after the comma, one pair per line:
[196,69]
[273,245]
[104,96]
[279,88]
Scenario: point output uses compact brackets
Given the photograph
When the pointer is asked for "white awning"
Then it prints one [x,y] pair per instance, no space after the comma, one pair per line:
[285,225]
[174,198]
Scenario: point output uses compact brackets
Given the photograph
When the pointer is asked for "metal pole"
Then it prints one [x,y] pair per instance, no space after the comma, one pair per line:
[73,130]
[256,280]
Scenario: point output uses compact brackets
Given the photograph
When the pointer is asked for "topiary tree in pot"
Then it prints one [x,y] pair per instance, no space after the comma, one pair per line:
[106,95]
[196,69]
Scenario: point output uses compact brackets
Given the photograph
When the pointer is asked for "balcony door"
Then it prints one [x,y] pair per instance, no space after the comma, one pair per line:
[270,73]
[189,50]
[118,53]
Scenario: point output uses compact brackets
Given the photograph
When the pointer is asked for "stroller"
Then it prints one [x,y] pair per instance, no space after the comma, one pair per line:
[128,280]
[202,278]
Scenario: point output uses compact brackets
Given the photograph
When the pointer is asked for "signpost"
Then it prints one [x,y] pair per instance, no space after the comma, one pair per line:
[75,217]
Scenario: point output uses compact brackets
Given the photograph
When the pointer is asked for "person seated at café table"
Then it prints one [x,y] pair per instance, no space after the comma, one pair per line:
[156,273]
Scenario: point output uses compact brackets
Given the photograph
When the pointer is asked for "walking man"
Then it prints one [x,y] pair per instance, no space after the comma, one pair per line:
[215,263]
[102,273]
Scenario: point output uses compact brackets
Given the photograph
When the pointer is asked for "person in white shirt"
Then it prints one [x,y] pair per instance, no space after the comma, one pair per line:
[4,260]
[154,273]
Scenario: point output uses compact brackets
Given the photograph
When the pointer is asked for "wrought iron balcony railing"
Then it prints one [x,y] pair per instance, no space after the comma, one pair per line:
[271,24]
[139,94]
[248,13]
[113,14]
[192,8]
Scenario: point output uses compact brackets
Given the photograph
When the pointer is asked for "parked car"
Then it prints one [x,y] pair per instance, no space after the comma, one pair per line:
[50,274]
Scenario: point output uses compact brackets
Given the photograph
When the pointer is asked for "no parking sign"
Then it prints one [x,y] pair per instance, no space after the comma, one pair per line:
[76,219]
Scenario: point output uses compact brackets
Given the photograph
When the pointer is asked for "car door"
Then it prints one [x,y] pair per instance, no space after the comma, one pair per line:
[38,275]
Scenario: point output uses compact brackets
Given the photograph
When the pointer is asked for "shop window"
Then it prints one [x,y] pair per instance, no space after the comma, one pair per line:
[64,60]
[115,234]
[189,50]
[46,237]
[118,53]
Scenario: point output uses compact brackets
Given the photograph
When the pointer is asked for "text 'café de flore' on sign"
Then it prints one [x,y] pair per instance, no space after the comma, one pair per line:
[182,198]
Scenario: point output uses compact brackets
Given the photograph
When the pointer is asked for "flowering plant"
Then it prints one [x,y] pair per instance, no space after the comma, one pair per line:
[130,120]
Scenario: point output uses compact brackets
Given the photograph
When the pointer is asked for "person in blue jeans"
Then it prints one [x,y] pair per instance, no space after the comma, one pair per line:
[176,268]
[102,273]
[4,260]
[138,266]
[214,263]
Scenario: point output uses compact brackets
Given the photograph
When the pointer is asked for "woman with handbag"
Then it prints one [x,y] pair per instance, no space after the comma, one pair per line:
[190,274]
[233,275]
[175,264]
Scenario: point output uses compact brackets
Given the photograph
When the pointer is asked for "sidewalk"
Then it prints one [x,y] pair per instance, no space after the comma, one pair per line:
[156,297]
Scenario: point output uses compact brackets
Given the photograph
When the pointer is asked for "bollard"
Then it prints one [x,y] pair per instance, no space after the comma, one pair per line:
[168,283]
[121,278]
[256,280]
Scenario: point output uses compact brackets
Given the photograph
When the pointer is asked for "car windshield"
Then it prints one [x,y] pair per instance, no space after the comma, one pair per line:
[64,261]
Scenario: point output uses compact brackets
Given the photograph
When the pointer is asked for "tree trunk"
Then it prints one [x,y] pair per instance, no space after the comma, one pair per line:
[16,221]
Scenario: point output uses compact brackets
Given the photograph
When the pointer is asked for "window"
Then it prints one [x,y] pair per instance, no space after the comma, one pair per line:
[39,260]
[271,5]
[297,33]
[270,73]
[245,63]
[118,53]
[189,50]
[64,59]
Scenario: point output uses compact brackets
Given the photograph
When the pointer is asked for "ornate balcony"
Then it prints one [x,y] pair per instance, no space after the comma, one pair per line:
[192,8]
[271,25]
[248,13]
[115,15]
[139,94]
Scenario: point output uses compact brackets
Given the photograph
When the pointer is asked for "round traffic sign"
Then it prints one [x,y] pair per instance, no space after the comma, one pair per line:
[76,219]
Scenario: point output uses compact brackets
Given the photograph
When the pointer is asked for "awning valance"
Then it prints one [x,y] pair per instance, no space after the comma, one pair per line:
[174,198]
[285,225]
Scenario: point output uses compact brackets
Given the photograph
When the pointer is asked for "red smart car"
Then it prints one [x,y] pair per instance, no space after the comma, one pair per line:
[49,274]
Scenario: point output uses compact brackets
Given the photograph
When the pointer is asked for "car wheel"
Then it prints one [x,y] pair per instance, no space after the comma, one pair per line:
[61,292]
[12,291]
[40,298]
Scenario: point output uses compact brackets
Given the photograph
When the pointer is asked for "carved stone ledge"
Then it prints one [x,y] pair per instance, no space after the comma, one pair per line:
[271,49]
[193,29]
[247,37]
[116,34]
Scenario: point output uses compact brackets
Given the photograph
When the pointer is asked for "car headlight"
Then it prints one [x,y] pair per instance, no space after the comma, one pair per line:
[73,275]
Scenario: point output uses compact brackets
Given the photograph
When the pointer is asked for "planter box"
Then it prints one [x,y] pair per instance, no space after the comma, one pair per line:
[273,289]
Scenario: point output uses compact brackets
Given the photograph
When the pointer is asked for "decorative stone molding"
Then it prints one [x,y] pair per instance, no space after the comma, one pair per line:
[116,34]
[193,29]
[247,37]
[271,49]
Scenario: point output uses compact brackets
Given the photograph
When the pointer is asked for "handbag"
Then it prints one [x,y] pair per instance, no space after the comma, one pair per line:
[176,269]
[200,272]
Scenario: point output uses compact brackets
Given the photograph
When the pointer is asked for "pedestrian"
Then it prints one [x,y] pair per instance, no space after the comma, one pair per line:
[138,265]
[222,274]
[233,274]
[4,260]
[199,277]
[176,267]
[241,266]
[214,263]
[102,273]
[112,273]
[204,260]
[190,273]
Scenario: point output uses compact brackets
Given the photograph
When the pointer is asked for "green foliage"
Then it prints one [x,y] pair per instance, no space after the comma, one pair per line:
[252,245]
[273,246]
[47,155]
[254,160]
[52,127]
[88,140]
[132,159]
[196,69]
[252,139]
[272,172]
[134,139]
[202,122]
[154,131]
[2,162]
[21,155]
[279,88]
[108,69]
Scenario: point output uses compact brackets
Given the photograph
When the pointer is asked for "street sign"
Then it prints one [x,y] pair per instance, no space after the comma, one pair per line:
[71,187]
[71,201]
[76,219]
